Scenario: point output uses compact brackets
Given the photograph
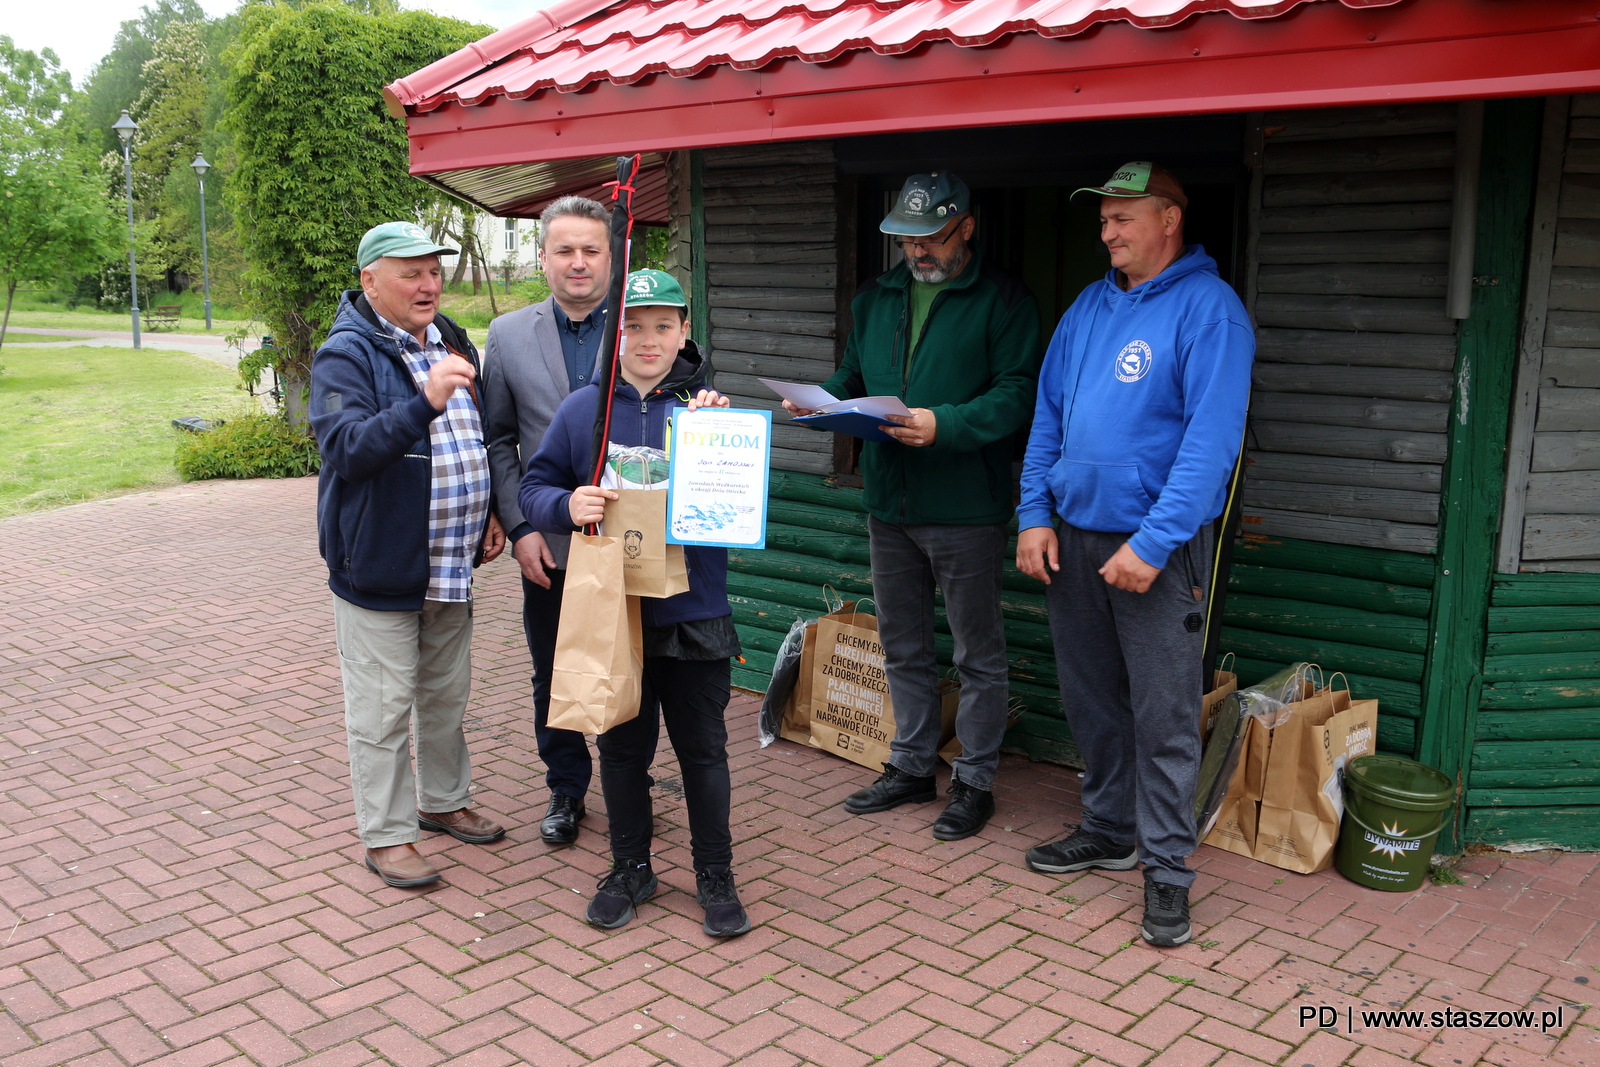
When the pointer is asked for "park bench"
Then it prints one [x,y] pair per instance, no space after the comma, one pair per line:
[162,315]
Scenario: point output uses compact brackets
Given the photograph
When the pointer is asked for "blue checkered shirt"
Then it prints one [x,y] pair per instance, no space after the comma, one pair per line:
[459,501]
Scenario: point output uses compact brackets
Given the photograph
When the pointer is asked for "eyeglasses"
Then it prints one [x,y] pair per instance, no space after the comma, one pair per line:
[927,242]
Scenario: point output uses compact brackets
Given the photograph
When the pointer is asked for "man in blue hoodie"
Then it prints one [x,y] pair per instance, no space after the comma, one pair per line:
[1136,430]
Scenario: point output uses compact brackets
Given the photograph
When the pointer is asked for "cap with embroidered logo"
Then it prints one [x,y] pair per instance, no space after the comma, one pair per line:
[1140,178]
[400,239]
[926,203]
[657,287]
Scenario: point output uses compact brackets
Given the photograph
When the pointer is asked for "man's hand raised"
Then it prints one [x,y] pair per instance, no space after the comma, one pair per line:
[449,374]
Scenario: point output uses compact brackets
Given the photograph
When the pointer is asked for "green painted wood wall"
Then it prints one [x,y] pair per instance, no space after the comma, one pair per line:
[1535,771]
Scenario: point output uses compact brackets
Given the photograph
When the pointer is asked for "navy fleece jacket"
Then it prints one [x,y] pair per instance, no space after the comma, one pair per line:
[371,423]
[563,463]
[1141,408]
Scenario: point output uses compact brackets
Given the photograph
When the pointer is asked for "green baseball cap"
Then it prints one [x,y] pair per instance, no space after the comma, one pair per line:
[926,203]
[646,287]
[1140,178]
[400,239]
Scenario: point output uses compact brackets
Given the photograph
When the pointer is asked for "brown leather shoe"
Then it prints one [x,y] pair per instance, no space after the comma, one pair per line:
[463,824]
[401,866]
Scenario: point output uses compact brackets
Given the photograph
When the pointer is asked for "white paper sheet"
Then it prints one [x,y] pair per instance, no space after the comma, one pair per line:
[817,398]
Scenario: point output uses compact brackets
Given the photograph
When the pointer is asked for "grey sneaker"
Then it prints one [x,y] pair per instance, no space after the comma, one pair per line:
[625,885]
[1166,914]
[1081,851]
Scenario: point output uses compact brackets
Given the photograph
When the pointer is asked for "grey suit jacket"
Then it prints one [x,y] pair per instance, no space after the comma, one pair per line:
[524,381]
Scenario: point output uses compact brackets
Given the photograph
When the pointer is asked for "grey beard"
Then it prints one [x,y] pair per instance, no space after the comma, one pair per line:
[941,273]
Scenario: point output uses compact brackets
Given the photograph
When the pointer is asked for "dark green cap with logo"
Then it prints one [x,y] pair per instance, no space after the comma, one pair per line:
[926,203]
[653,287]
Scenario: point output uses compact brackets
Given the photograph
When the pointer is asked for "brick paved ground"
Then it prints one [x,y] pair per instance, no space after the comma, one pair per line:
[179,880]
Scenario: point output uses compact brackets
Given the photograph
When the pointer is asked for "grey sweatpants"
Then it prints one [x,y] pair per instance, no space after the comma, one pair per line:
[405,672]
[1131,682]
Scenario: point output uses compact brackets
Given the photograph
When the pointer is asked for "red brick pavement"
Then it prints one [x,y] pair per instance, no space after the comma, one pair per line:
[179,880]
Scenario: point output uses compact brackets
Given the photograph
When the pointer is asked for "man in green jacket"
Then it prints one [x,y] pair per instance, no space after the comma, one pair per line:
[958,340]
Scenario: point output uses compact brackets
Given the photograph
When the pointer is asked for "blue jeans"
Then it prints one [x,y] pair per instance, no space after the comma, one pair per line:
[567,765]
[963,563]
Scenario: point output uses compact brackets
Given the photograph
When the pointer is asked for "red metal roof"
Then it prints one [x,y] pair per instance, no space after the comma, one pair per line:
[578,42]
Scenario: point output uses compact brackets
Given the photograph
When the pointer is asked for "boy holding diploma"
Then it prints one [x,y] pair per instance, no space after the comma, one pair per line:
[688,639]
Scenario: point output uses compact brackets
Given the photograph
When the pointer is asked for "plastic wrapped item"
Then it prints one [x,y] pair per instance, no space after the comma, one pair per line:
[785,673]
[1267,701]
[786,670]
[635,467]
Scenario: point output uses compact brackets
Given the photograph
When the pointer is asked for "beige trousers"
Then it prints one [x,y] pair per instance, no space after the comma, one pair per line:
[405,671]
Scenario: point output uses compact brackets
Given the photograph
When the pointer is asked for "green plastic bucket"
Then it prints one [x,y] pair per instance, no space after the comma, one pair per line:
[1394,808]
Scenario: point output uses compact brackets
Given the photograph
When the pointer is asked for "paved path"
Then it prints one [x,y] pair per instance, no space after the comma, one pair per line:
[179,881]
[211,346]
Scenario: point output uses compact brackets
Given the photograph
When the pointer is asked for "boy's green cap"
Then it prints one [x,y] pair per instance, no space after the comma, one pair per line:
[646,287]
[400,239]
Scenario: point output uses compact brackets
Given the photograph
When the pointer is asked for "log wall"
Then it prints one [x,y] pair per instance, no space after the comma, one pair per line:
[1553,496]
[772,264]
[1354,351]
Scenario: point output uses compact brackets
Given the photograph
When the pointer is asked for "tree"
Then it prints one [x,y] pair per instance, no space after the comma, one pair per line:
[319,158]
[169,112]
[118,79]
[54,214]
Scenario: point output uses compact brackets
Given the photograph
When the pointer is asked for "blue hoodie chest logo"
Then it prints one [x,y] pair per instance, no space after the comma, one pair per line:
[1133,362]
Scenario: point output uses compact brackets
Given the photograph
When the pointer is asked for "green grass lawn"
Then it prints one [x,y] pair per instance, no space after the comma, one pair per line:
[14,338]
[79,423]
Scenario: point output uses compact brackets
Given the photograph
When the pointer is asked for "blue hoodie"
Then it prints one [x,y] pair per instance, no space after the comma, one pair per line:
[1141,408]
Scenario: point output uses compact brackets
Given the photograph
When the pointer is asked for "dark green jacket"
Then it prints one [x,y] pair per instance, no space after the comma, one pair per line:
[976,367]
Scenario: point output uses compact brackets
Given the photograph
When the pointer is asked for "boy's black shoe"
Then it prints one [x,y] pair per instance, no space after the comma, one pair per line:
[894,788]
[969,809]
[1166,914]
[625,885]
[1081,851]
[725,916]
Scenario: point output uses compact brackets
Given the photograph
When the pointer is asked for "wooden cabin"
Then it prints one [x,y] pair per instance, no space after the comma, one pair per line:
[1406,194]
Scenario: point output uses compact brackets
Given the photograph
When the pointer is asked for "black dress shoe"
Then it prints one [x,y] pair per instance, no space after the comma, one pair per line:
[893,789]
[560,823]
[969,809]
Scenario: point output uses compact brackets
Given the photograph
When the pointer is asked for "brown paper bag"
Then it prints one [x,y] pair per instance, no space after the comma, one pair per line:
[1223,682]
[599,666]
[651,567]
[1303,801]
[851,712]
[1285,803]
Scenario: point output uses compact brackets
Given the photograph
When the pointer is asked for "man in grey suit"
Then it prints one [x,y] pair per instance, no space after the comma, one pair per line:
[534,358]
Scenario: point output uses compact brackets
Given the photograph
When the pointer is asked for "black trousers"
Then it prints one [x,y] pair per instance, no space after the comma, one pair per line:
[568,767]
[692,695]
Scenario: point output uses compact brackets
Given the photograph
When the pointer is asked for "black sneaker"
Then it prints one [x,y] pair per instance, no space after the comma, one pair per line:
[625,885]
[725,916]
[969,809]
[1079,852]
[1166,914]
[892,789]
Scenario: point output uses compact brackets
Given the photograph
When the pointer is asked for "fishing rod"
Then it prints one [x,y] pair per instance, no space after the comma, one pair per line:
[622,191]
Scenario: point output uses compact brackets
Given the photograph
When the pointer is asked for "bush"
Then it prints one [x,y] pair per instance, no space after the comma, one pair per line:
[250,446]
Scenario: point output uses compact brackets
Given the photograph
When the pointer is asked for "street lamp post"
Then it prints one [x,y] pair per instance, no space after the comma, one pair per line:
[200,167]
[126,128]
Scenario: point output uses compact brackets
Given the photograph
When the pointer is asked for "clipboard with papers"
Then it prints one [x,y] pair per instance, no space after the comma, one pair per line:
[859,417]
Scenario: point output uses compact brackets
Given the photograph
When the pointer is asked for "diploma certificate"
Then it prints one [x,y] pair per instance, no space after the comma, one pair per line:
[721,463]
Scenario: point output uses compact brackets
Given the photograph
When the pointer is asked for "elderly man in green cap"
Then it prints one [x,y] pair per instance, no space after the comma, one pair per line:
[957,339]
[404,514]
